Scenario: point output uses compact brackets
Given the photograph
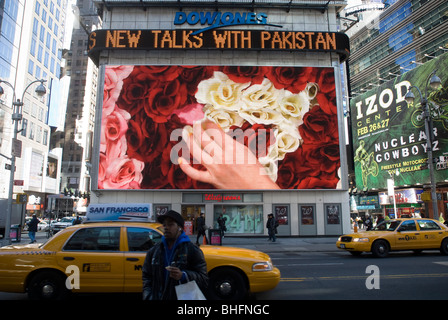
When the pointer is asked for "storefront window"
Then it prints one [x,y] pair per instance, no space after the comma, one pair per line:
[241,218]
[190,213]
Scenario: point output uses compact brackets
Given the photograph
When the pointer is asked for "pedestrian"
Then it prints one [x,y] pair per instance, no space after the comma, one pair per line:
[271,225]
[222,224]
[77,220]
[32,228]
[172,261]
[200,224]
[380,219]
[368,223]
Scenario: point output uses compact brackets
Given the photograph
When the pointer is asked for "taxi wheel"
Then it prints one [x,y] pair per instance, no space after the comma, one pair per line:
[227,284]
[380,249]
[444,247]
[47,285]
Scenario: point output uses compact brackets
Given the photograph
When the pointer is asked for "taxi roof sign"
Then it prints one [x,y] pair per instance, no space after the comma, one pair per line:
[119,211]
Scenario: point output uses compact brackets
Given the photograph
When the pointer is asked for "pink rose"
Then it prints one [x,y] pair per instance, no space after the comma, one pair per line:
[113,83]
[123,173]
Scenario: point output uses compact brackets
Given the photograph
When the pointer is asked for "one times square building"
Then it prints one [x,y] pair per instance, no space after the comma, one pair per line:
[229,108]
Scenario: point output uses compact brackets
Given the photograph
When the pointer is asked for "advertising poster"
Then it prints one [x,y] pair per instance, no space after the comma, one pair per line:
[219,127]
[119,211]
[389,139]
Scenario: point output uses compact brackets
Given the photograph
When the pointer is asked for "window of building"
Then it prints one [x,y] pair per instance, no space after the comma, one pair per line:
[241,218]
[31,67]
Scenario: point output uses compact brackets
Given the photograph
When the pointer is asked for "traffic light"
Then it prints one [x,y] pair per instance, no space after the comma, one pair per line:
[22,198]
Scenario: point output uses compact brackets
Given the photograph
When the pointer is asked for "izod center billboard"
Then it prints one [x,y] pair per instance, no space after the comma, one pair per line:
[389,138]
[219,127]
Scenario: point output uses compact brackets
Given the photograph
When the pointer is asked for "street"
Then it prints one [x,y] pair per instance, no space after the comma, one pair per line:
[340,276]
[337,275]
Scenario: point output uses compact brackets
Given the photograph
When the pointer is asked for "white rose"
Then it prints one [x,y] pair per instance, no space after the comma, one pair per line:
[221,92]
[262,116]
[287,140]
[225,119]
[294,106]
[311,90]
[260,96]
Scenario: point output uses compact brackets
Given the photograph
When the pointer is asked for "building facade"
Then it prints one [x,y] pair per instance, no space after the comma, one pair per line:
[266,75]
[76,135]
[32,36]
[398,50]
[402,36]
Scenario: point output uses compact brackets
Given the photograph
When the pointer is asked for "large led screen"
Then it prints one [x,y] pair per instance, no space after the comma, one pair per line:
[219,127]
[389,135]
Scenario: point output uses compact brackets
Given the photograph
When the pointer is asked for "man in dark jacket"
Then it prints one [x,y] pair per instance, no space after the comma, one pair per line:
[32,228]
[173,261]
[200,223]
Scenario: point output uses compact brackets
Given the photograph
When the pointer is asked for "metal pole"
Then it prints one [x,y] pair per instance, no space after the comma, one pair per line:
[430,158]
[428,133]
[15,116]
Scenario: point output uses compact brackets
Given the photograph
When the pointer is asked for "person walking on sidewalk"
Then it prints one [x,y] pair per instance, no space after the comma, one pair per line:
[32,228]
[172,261]
[271,225]
[201,228]
[222,224]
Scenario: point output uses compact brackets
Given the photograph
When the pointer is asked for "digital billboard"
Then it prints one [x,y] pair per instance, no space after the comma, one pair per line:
[389,138]
[219,127]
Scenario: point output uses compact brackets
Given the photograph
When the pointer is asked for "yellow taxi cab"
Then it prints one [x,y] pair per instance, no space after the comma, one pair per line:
[397,235]
[108,257]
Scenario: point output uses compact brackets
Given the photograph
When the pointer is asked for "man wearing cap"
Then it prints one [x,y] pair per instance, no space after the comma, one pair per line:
[172,261]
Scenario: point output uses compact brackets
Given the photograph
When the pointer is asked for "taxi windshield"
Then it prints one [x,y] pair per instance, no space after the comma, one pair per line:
[388,225]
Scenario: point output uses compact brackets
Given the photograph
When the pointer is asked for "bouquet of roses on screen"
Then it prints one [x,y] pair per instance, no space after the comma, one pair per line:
[291,110]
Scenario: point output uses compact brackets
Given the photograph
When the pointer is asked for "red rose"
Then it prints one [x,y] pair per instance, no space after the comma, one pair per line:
[162,73]
[319,127]
[289,78]
[323,182]
[243,74]
[286,175]
[327,102]
[192,75]
[323,158]
[325,80]
[310,168]
[162,101]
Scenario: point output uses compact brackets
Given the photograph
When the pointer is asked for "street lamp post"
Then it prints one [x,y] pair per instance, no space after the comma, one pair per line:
[434,81]
[16,117]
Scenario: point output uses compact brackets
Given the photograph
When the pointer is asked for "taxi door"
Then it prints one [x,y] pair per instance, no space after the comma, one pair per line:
[95,251]
[407,237]
[431,234]
[138,241]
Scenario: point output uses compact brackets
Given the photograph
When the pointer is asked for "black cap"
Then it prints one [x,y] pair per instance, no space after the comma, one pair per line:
[173,215]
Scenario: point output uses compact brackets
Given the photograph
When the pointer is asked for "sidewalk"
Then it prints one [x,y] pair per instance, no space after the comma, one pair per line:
[282,244]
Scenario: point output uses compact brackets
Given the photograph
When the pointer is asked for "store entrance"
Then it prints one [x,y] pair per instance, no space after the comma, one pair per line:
[241,218]
[190,213]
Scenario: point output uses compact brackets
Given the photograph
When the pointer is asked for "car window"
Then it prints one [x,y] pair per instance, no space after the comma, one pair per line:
[95,239]
[387,225]
[408,225]
[428,225]
[142,239]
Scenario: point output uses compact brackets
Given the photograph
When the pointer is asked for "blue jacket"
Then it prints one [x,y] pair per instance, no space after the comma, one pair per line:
[157,285]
